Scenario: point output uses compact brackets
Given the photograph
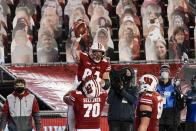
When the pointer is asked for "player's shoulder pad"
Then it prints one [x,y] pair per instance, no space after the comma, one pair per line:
[74,94]
[146,98]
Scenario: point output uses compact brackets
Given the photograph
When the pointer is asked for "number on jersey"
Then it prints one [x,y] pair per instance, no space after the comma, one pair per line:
[92,110]
[88,72]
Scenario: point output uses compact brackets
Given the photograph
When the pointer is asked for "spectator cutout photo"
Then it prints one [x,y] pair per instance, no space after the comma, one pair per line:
[21,48]
[177,19]
[47,48]
[161,50]
[129,40]
[155,45]
[103,36]
[1,53]
[77,14]
[3,35]
[179,45]
[151,16]
[98,12]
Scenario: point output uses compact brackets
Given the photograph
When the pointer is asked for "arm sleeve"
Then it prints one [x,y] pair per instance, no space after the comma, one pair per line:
[36,115]
[131,95]
[5,114]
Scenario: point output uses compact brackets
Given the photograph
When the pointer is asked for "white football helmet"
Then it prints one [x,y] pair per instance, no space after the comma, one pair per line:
[97,52]
[148,82]
[91,88]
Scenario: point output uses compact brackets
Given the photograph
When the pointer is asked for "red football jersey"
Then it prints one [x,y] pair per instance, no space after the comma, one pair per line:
[87,111]
[156,102]
[87,67]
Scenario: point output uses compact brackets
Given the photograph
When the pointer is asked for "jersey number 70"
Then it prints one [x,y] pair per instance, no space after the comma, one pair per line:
[92,110]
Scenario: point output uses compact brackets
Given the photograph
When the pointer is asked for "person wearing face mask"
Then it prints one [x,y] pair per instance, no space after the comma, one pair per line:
[20,109]
[191,106]
[121,99]
[173,102]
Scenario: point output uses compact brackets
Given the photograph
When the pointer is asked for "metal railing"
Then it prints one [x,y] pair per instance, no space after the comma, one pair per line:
[170,61]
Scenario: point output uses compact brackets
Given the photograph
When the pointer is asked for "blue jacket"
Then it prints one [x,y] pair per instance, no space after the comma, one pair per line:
[191,106]
[167,92]
[173,103]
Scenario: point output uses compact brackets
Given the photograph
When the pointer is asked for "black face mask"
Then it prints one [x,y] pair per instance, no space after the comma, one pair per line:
[19,90]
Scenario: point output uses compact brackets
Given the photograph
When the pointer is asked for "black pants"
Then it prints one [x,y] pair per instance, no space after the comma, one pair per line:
[120,126]
[168,128]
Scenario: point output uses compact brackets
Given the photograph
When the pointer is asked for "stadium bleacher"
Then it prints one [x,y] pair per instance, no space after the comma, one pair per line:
[115,26]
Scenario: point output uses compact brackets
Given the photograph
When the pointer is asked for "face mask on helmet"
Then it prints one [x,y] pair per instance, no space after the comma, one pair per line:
[91,89]
[96,56]
[164,75]
[97,52]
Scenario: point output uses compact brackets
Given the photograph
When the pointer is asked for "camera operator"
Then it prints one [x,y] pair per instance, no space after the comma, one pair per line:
[172,100]
[121,98]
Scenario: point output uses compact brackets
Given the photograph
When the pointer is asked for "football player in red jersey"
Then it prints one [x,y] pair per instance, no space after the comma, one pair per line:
[149,106]
[90,65]
[87,111]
